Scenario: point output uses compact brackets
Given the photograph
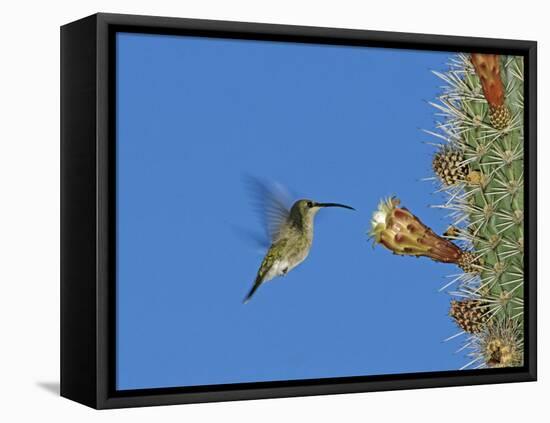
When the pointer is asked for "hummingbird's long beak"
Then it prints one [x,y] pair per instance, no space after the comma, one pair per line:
[334,205]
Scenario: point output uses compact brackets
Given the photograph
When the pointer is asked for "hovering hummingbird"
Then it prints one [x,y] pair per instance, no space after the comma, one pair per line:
[291,233]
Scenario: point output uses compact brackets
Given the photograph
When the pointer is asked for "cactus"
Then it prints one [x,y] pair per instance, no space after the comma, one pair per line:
[479,167]
[482,109]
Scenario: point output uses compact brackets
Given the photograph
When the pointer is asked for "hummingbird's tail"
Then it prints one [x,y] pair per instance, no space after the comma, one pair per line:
[251,292]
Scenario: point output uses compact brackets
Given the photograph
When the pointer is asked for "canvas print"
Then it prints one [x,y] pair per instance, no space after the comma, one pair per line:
[295,211]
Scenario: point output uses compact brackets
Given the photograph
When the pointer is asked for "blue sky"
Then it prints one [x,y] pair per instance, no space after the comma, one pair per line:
[336,124]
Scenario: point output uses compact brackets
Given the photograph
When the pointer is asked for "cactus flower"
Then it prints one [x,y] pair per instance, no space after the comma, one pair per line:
[397,229]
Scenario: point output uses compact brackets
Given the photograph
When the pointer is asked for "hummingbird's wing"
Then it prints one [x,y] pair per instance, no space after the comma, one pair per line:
[272,203]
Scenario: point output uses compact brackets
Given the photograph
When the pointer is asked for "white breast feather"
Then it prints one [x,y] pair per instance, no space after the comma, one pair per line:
[276,270]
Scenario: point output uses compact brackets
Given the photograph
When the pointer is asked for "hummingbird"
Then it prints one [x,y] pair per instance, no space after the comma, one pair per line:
[291,233]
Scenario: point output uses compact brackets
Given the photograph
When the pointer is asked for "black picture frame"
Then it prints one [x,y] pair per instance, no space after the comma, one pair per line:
[88,214]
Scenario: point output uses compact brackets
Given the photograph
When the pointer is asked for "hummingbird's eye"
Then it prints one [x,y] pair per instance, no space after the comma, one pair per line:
[309,204]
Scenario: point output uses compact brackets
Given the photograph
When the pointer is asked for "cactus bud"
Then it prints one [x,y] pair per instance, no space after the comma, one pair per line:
[502,345]
[487,68]
[448,164]
[470,315]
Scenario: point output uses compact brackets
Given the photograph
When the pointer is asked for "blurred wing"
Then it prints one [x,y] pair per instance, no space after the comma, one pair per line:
[272,203]
[258,240]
